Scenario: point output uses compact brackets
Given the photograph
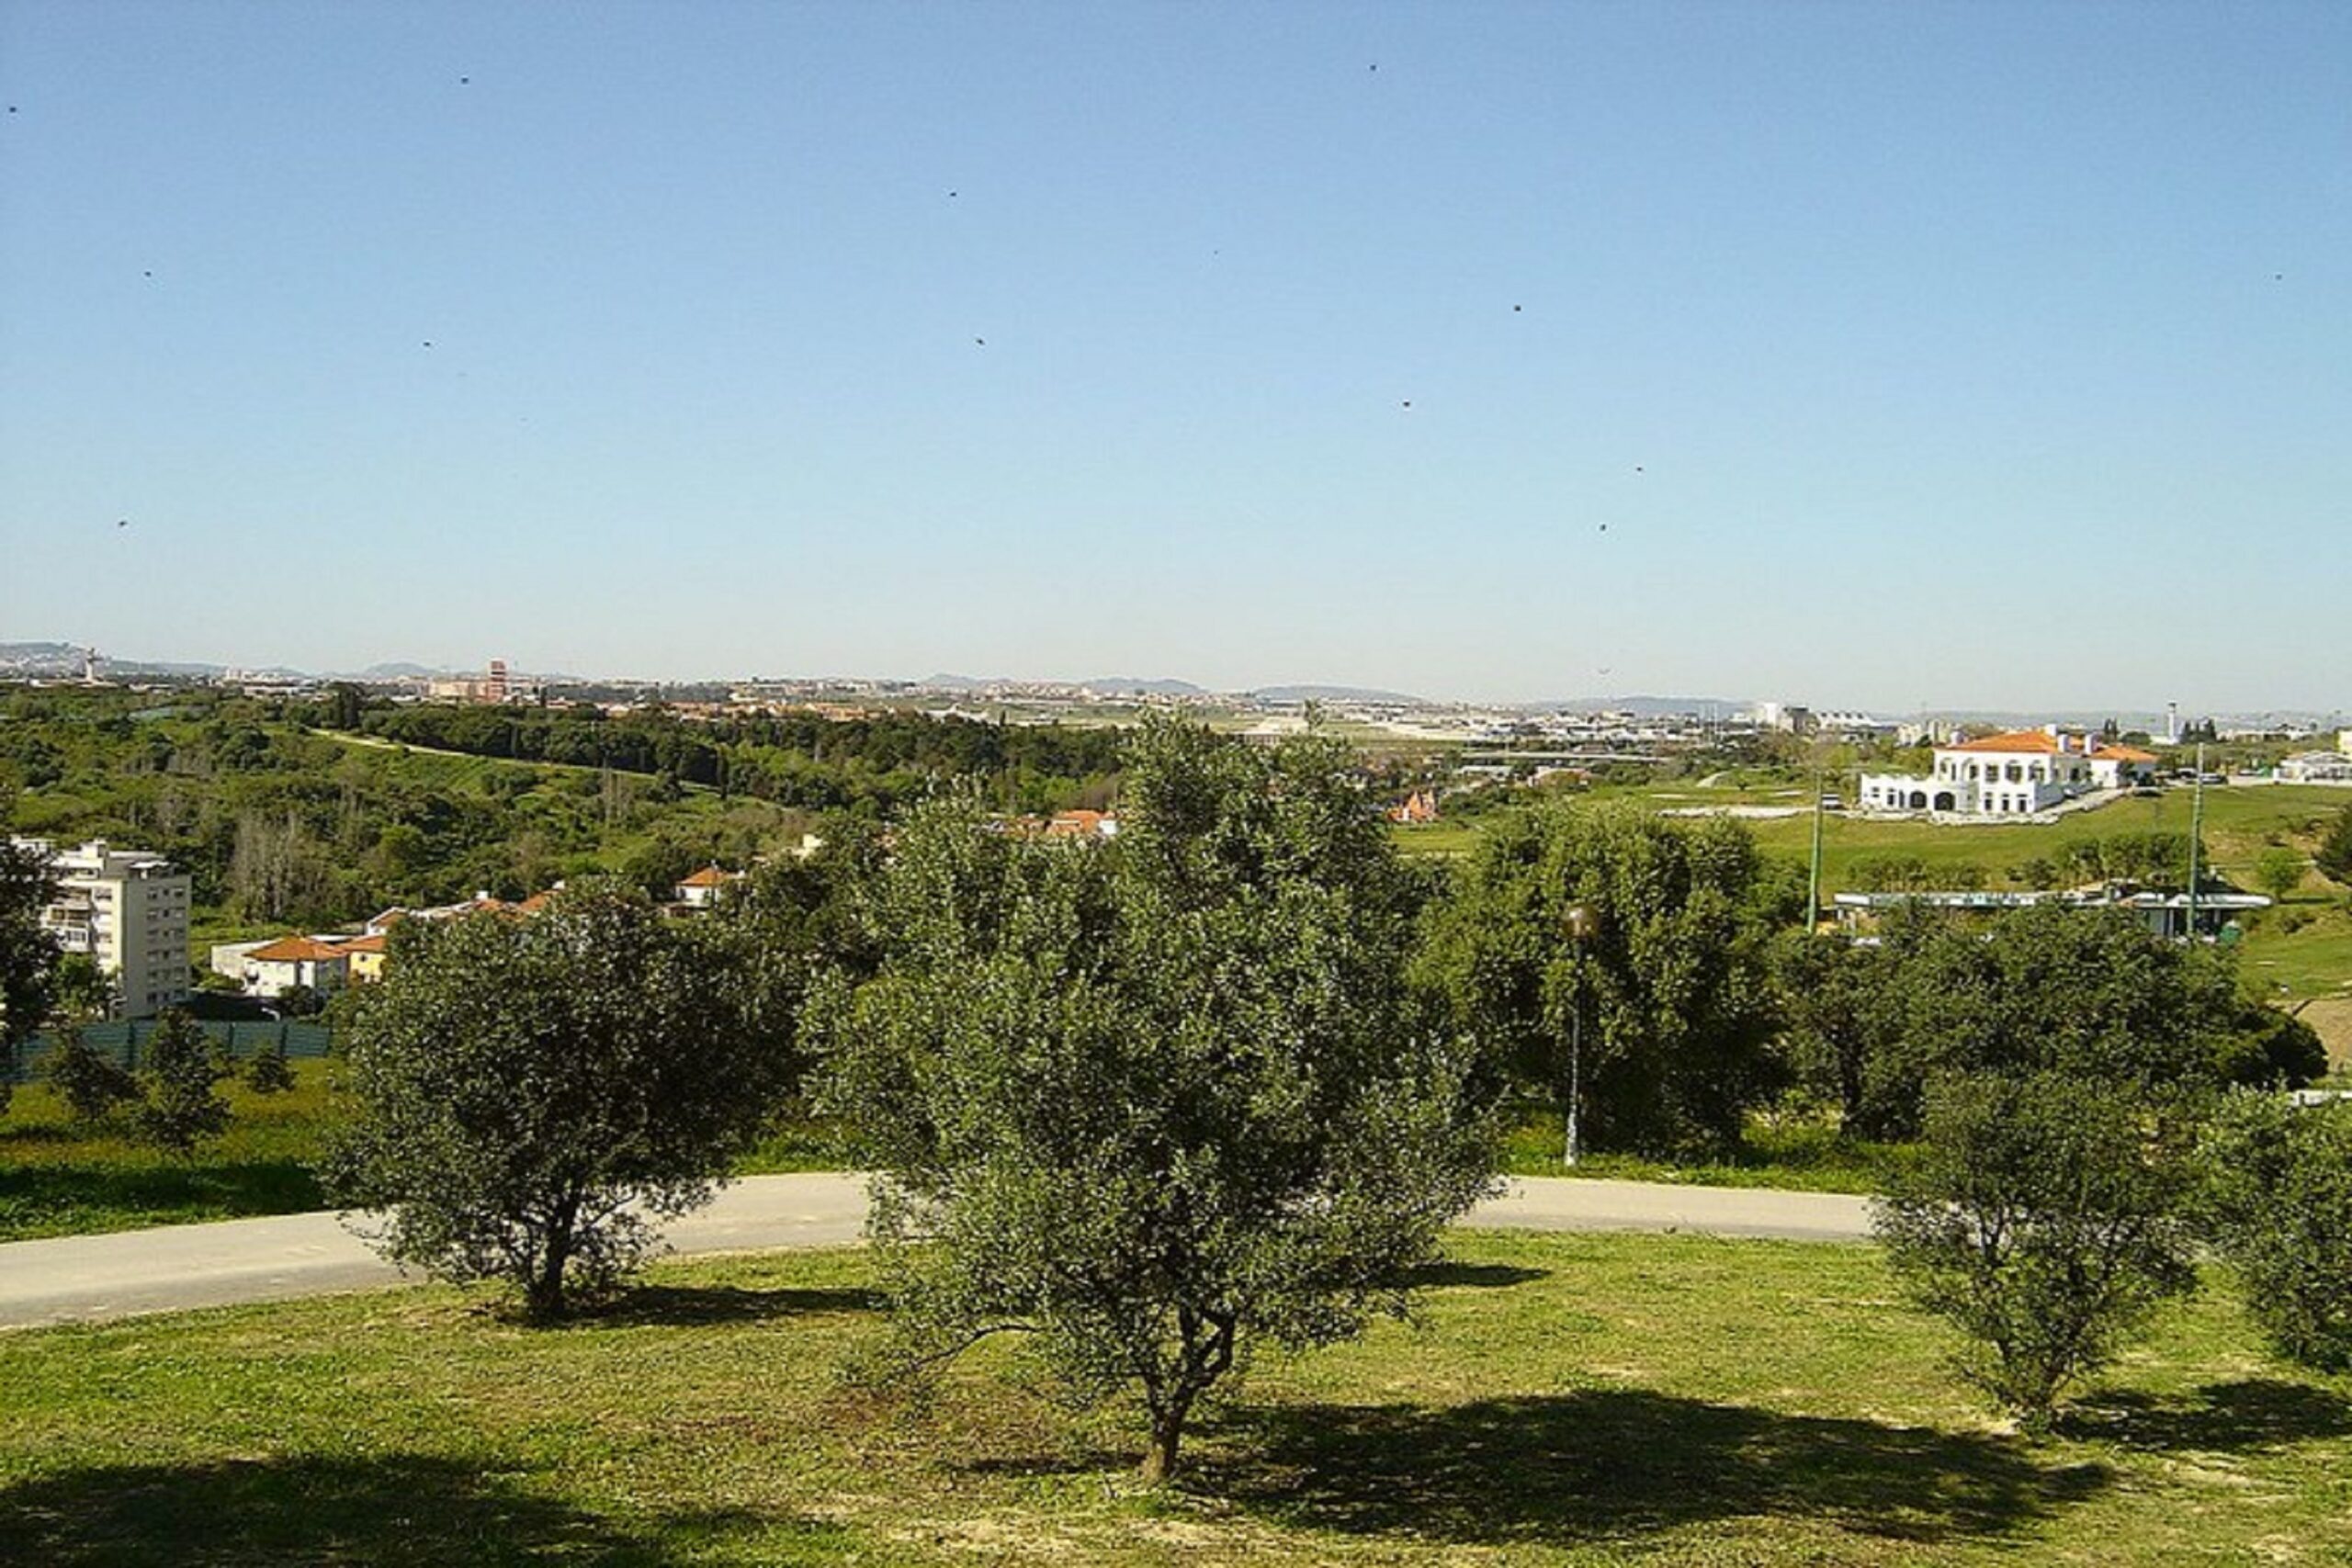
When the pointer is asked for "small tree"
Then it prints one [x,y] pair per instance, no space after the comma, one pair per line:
[181,1103]
[525,1091]
[29,954]
[91,1085]
[2278,871]
[2045,1220]
[1154,1101]
[2279,1201]
[267,1071]
[2333,856]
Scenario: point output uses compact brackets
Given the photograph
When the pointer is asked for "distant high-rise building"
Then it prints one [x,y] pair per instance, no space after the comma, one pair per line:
[128,909]
[2172,724]
[493,690]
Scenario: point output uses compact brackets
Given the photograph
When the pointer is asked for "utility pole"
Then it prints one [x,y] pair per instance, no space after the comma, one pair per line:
[1581,921]
[1812,880]
[2196,827]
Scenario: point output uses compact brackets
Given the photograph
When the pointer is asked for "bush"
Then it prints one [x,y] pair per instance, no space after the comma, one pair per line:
[181,1103]
[268,1072]
[91,1085]
[2045,1219]
[2279,1206]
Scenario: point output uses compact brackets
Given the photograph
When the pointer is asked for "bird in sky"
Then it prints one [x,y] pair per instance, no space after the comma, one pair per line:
[428,343]
[981,341]
[122,521]
[1408,402]
[465,81]
[1604,527]
[1515,309]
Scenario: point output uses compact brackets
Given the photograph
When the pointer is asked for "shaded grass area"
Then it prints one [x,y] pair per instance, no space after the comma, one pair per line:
[62,1177]
[1582,1399]
[1795,1154]
[59,1176]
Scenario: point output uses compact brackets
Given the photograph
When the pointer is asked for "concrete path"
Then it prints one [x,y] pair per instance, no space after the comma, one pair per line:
[92,1278]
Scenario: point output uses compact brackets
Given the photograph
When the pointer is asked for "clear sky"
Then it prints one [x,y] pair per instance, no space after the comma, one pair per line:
[1992,355]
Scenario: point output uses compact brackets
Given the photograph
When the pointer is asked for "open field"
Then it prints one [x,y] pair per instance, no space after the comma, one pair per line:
[1564,1399]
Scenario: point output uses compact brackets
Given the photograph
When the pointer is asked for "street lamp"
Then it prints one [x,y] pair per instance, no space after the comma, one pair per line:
[1582,921]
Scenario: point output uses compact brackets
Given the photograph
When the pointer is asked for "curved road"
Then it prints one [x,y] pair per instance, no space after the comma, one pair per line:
[85,1278]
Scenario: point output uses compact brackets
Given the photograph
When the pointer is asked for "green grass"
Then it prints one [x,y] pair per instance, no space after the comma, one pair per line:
[58,1178]
[1562,1400]
[1793,1155]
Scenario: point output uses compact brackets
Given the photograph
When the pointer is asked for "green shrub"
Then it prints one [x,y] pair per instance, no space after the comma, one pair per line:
[90,1085]
[2045,1219]
[2279,1206]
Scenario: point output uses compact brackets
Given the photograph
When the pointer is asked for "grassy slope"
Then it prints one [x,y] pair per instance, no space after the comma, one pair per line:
[1565,1400]
[57,1178]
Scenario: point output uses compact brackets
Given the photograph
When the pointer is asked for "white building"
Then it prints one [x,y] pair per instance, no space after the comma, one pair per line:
[274,968]
[2016,774]
[127,909]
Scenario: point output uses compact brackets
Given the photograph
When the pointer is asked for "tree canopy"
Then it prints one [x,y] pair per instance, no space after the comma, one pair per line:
[1677,1013]
[29,954]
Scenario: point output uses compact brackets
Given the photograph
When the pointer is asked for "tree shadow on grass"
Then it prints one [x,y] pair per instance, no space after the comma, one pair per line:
[709,1305]
[1597,1464]
[375,1513]
[2222,1418]
[1446,1273]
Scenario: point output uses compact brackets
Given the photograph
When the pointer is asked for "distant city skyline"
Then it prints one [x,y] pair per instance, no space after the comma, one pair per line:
[1990,357]
[1725,703]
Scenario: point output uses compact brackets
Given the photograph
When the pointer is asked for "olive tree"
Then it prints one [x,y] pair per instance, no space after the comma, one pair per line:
[1151,1101]
[527,1093]
[2045,1219]
[2278,1202]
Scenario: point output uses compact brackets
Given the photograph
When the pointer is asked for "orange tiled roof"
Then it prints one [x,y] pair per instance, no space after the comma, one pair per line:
[294,950]
[2039,741]
[2124,754]
[709,876]
[361,944]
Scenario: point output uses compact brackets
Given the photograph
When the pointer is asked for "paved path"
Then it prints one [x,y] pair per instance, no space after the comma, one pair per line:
[91,1278]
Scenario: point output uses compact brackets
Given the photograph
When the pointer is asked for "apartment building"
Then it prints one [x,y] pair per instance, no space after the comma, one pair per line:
[129,910]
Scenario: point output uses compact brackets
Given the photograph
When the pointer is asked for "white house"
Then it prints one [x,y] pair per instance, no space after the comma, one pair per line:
[274,968]
[2014,774]
[701,889]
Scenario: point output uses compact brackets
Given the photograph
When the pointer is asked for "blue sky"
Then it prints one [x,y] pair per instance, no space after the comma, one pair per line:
[1895,355]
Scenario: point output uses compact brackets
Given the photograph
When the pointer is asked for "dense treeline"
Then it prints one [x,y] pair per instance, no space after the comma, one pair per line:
[884,761]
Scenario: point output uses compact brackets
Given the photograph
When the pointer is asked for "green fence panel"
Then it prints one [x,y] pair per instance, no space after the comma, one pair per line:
[125,1042]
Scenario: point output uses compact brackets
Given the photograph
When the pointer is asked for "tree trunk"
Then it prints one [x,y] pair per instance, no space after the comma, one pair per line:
[543,1295]
[1159,1459]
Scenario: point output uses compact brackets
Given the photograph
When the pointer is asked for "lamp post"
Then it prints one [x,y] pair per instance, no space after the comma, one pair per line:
[1581,923]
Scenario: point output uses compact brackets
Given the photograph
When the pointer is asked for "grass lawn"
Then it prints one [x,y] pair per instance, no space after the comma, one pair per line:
[59,1179]
[1563,1400]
